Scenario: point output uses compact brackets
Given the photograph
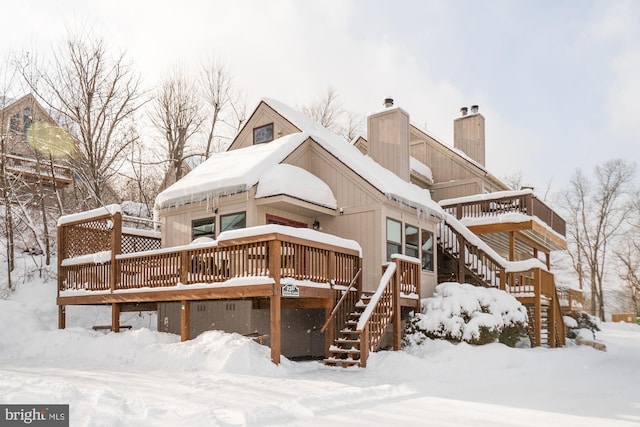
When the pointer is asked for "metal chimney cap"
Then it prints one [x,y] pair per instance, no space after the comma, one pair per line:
[464,111]
[474,109]
[388,102]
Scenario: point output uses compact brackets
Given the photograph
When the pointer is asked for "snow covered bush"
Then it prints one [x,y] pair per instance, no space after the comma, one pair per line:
[462,312]
[575,321]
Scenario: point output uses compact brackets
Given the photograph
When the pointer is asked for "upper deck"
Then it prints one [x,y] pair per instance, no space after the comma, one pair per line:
[502,217]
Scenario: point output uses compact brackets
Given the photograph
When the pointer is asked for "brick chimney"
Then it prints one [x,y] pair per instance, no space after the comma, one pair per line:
[388,139]
[468,134]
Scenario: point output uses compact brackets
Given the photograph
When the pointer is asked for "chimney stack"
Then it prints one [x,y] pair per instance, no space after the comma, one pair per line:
[468,134]
[388,134]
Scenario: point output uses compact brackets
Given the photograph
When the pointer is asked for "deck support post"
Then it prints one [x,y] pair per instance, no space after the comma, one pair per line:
[462,257]
[115,317]
[538,306]
[512,246]
[397,312]
[185,320]
[275,306]
[329,334]
[62,317]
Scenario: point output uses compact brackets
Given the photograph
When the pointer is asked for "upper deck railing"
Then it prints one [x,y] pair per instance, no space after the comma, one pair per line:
[33,169]
[97,254]
[504,202]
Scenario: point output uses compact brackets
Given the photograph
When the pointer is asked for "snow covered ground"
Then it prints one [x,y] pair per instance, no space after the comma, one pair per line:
[145,378]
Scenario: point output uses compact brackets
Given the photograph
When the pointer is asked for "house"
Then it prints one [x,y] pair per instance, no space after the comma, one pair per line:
[27,150]
[317,246]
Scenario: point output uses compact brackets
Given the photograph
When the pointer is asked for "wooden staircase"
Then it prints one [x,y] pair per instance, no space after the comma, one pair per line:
[468,259]
[366,319]
[345,350]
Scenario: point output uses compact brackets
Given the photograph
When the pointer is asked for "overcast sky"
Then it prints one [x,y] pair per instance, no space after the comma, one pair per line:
[557,81]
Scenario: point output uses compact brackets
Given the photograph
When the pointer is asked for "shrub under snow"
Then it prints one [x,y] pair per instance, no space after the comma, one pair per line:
[463,312]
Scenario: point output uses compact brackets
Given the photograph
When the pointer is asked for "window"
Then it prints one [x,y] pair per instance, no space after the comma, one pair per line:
[26,117]
[205,227]
[427,250]
[233,221]
[263,134]
[272,219]
[394,238]
[411,241]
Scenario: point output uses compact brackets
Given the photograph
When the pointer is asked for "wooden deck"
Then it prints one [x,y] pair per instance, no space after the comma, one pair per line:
[488,218]
[102,262]
[32,170]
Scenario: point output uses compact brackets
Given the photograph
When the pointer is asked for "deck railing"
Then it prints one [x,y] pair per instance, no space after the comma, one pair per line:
[400,278]
[570,299]
[470,256]
[95,256]
[525,203]
[38,168]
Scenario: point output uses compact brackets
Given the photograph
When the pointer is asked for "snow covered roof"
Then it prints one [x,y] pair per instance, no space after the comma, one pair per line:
[394,187]
[296,182]
[420,168]
[238,170]
[229,172]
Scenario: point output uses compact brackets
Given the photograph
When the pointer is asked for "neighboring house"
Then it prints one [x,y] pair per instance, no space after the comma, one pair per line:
[26,154]
[370,200]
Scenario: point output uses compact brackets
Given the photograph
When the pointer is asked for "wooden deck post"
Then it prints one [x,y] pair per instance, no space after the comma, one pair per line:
[275,306]
[397,311]
[62,317]
[364,347]
[116,249]
[503,279]
[115,317]
[512,246]
[538,306]
[461,258]
[185,320]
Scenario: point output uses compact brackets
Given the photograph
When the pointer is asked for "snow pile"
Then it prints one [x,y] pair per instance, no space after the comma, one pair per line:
[143,377]
[463,312]
[296,182]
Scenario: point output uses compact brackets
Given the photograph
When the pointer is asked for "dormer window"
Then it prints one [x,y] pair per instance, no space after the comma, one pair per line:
[263,134]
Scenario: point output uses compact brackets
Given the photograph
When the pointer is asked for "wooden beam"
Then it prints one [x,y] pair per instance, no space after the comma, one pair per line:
[512,246]
[115,317]
[461,259]
[185,320]
[275,309]
[177,294]
[62,317]
[397,313]
[329,334]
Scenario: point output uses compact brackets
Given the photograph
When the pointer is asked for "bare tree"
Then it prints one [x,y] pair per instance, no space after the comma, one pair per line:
[6,81]
[596,210]
[225,106]
[629,257]
[327,110]
[96,96]
[177,114]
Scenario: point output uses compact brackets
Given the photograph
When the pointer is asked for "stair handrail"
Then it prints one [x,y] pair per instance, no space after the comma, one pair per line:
[363,326]
[339,303]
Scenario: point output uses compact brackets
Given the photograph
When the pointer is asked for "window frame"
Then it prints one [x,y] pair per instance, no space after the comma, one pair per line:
[412,246]
[256,131]
[429,252]
[244,213]
[398,245]
[203,221]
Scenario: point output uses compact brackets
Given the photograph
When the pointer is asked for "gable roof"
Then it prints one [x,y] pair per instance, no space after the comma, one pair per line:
[238,170]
